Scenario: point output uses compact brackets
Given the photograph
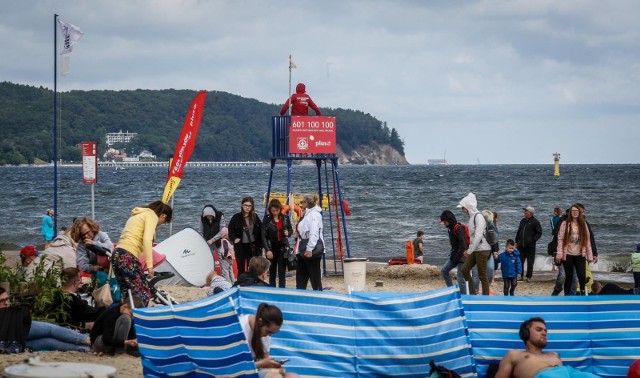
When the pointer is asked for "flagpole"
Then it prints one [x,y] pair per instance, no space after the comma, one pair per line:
[55,124]
[289,85]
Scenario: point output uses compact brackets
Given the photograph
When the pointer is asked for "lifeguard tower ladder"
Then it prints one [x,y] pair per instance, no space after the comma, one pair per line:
[307,135]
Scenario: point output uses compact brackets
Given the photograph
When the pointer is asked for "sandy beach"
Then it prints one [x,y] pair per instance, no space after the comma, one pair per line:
[379,277]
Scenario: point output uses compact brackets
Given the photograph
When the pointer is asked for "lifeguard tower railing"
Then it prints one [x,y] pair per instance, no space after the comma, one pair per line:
[281,143]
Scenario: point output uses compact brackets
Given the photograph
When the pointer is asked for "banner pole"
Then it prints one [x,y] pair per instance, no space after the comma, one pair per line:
[93,203]
[55,124]
[289,98]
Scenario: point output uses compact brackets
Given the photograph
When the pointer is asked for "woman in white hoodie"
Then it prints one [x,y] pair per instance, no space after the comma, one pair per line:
[479,250]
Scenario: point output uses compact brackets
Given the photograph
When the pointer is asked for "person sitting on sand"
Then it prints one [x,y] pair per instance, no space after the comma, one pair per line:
[533,362]
[114,332]
[62,249]
[216,283]
[45,336]
[597,288]
[29,260]
[258,329]
[257,273]
[91,243]
[75,311]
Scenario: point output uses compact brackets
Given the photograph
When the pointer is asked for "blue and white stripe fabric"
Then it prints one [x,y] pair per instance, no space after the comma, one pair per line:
[596,334]
[324,335]
[196,339]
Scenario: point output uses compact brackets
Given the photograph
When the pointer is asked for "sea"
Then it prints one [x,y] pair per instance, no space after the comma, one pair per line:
[388,204]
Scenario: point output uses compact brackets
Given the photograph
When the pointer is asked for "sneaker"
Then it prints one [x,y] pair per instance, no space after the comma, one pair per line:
[528,279]
[14,347]
[521,279]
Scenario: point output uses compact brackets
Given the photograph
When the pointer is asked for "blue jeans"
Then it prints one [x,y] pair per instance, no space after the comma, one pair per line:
[560,282]
[446,268]
[49,336]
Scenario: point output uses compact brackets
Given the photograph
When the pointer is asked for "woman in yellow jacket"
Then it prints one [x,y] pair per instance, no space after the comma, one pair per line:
[136,240]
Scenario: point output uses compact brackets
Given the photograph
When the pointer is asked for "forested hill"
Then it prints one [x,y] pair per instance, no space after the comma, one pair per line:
[233,128]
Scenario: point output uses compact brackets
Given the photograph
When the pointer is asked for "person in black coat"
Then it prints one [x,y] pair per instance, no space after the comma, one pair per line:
[245,231]
[75,310]
[527,235]
[276,229]
[257,273]
[459,243]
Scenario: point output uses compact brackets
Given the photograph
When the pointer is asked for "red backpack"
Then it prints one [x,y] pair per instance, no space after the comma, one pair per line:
[467,235]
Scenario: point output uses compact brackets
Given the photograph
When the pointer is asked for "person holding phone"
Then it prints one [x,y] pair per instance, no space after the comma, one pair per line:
[258,329]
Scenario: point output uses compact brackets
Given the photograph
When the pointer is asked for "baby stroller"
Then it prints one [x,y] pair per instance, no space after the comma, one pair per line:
[160,297]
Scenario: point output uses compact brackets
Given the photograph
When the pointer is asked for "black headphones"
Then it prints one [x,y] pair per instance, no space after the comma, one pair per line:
[524,330]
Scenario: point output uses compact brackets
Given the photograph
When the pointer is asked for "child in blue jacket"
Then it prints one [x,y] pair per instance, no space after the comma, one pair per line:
[511,267]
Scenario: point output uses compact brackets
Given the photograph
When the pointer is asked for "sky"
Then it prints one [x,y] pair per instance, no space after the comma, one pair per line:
[491,82]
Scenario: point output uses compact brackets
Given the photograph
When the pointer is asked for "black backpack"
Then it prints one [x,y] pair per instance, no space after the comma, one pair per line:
[15,324]
[441,372]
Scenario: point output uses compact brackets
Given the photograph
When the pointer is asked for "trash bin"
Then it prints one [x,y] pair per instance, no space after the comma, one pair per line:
[355,273]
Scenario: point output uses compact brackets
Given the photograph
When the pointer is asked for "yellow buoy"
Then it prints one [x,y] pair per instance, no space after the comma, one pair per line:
[556,164]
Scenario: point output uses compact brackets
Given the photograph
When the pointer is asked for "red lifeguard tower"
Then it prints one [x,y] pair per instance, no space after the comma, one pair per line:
[314,138]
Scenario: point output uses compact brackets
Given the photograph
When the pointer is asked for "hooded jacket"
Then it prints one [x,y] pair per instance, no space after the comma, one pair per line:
[61,249]
[211,229]
[138,233]
[300,103]
[456,238]
[477,224]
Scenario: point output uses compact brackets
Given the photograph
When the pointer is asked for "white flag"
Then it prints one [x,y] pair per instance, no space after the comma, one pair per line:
[71,34]
[291,64]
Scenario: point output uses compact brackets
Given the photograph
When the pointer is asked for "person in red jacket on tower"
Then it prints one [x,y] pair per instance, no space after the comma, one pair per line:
[300,103]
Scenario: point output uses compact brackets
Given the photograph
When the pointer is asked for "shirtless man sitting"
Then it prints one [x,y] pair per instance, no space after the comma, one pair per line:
[533,362]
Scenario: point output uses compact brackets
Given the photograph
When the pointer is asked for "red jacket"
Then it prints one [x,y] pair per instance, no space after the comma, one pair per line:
[301,103]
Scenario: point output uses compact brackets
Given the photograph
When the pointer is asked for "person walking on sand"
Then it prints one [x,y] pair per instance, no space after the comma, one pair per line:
[458,242]
[300,103]
[511,267]
[527,235]
[533,362]
[479,250]
[47,228]
[135,241]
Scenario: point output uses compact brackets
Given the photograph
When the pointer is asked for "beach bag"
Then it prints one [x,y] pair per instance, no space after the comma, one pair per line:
[290,256]
[317,251]
[441,371]
[108,290]
[15,324]
[102,295]
[490,232]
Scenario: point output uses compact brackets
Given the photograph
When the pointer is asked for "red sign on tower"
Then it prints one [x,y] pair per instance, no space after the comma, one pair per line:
[312,135]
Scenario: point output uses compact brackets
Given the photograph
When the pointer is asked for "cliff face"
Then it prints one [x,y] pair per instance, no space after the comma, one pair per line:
[372,154]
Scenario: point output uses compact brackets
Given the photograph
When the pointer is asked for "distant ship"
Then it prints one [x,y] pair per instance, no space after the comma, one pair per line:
[437,162]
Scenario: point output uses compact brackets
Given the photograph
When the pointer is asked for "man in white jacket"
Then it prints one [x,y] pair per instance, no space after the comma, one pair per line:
[479,250]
